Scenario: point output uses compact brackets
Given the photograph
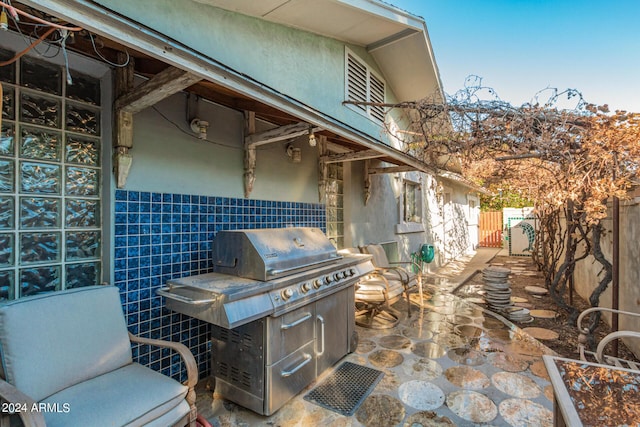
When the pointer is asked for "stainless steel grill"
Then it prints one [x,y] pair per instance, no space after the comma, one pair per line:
[281,305]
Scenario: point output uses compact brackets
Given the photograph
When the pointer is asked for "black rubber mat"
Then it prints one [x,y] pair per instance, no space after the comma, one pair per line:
[345,389]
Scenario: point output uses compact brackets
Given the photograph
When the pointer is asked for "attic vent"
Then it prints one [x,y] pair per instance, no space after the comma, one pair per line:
[364,86]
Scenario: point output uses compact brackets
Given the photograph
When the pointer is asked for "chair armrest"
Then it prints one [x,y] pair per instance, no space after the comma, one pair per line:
[186,355]
[611,337]
[9,393]
[593,309]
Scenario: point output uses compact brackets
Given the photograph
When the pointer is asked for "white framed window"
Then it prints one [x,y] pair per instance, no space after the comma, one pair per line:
[412,202]
[410,208]
[362,84]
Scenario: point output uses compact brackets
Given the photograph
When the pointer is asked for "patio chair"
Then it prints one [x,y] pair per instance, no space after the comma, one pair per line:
[408,278]
[374,295]
[599,356]
[68,353]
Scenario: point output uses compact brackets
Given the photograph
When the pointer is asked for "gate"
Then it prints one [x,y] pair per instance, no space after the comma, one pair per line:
[490,229]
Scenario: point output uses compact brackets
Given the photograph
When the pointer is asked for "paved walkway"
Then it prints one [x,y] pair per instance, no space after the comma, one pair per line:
[452,363]
[454,274]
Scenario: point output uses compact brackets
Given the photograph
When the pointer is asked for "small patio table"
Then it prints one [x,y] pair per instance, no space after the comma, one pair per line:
[593,394]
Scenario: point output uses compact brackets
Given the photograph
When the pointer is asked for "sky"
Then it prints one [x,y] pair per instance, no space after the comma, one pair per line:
[522,47]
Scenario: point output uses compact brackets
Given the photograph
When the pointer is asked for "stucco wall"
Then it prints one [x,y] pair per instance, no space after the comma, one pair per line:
[302,65]
[447,229]
[587,273]
[168,157]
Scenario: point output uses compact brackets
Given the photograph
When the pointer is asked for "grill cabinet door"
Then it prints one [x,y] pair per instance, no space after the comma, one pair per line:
[333,328]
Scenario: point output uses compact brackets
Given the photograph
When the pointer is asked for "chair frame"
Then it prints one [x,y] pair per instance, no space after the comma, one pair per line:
[375,309]
[599,355]
[403,275]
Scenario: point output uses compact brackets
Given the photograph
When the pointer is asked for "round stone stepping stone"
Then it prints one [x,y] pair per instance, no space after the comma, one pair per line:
[417,332]
[536,290]
[389,382]
[428,349]
[472,406]
[496,271]
[444,310]
[443,297]
[524,305]
[539,370]
[395,342]
[460,319]
[421,395]
[518,299]
[385,358]
[469,331]
[449,340]
[508,362]
[365,346]
[439,327]
[467,377]
[434,317]
[548,392]
[544,314]
[521,412]
[491,322]
[465,356]
[541,333]
[515,385]
[428,419]
[380,410]
[423,369]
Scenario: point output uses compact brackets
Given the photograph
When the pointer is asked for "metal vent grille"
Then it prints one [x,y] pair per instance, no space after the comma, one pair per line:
[345,389]
[233,355]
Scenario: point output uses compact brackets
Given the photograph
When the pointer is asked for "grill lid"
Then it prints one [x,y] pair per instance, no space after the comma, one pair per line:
[269,253]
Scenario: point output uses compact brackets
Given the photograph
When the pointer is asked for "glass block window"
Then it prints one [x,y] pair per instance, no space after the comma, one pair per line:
[50,176]
[335,204]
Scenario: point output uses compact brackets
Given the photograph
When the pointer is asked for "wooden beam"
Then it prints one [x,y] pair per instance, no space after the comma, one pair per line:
[391,169]
[249,154]
[353,156]
[159,87]
[367,182]
[281,133]
[322,169]
[123,133]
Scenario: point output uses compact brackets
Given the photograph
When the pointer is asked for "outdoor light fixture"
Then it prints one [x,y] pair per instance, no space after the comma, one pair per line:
[196,124]
[200,127]
[312,137]
[295,154]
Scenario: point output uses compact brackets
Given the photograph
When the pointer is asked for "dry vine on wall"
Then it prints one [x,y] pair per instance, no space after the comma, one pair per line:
[567,161]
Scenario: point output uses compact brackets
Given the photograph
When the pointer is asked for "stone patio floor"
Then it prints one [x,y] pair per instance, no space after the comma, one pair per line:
[451,363]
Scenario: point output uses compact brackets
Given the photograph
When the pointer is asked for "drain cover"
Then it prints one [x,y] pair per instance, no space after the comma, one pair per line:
[345,389]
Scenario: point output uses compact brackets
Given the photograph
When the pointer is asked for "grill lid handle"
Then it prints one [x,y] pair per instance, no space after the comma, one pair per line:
[273,272]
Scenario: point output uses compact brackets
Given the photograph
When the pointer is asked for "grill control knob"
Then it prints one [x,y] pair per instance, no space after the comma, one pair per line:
[337,276]
[352,272]
[287,293]
[317,283]
[328,280]
[305,287]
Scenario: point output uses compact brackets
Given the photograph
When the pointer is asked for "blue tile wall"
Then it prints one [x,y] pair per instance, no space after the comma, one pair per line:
[161,236]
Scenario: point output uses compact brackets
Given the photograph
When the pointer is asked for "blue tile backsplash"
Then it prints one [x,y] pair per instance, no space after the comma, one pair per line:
[160,236]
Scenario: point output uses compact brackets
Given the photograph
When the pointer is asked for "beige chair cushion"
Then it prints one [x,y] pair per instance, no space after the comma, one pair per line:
[372,290]
[130,396]
[53,341]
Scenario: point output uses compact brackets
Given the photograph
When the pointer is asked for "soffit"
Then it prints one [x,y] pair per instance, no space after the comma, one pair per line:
[397,40]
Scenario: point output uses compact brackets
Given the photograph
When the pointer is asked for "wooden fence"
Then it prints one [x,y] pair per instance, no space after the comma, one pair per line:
[491,229]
